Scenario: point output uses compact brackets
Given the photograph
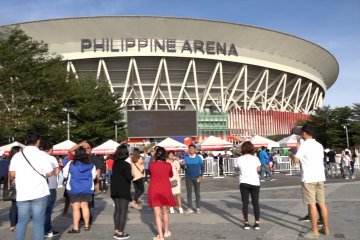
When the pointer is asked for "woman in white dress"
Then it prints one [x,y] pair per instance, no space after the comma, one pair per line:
[176,190]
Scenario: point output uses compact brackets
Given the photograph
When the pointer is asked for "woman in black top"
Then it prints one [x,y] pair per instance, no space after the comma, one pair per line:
[120,190]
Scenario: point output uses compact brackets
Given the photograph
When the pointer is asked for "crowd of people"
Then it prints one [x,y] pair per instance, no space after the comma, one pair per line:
[83,175]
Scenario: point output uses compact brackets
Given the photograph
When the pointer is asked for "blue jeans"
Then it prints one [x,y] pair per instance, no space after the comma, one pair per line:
[48,211]
[109,176]
[189,184]
[36,210]
[265,169]
[13,214]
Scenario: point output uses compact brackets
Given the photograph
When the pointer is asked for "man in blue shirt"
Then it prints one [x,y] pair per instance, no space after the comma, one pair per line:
[4,167]
[194,170]
[265,167]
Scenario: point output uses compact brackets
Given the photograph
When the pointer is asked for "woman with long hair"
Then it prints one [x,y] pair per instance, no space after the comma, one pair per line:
[160,196]
[80,186]
[13,214]
[120,190]
[176,188]
[137,166]
[248,166]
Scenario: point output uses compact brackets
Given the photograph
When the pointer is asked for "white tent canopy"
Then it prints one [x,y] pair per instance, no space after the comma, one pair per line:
[7,148]
[259,141]
[171,144]
[214,143]
[289,142]
[63,147]
[108,147]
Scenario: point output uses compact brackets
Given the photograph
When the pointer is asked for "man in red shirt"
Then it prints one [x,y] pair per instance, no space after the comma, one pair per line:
[109,166]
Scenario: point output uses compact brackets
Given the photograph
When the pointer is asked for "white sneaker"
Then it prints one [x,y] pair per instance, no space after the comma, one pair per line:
[189,211]
[353,177]
[181,210]
[198,211]
[273,179]
[171,210]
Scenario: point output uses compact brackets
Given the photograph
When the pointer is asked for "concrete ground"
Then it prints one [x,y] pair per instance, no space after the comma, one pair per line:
[280,204]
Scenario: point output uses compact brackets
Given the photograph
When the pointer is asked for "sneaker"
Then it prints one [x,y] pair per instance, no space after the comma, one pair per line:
[256,226]
[320,224]
[322,231]
[246,226]
[310,234]
[171,210]
[353,177]
[181,210]
[51,234]
[305,219]
[273,179]
[189,211]
[198,211]
[121,236]
[262,180]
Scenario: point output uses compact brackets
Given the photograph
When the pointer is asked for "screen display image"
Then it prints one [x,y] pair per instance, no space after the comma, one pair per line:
[161,123]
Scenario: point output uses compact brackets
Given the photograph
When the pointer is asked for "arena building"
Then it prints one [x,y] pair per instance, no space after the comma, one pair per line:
[242,80]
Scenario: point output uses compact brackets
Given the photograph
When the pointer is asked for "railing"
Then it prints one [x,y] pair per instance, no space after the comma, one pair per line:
[283,164]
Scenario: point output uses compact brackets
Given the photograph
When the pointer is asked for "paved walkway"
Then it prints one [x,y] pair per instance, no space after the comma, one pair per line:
[280,204]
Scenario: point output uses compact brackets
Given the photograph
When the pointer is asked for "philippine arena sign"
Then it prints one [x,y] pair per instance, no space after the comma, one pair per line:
[157,45]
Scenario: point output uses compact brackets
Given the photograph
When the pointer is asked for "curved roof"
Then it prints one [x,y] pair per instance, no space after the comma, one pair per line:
[266,46]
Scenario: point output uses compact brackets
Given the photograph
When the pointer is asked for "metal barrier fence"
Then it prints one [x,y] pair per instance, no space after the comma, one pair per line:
[283,164]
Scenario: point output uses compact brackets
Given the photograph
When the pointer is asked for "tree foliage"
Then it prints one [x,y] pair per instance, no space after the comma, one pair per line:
[35,87]
[330,125]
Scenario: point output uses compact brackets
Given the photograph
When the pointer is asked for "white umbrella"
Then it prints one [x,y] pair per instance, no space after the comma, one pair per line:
[259,141]
[214,143]
[288,142]
[7,148]
[108,147]
[63,147]
[171,144]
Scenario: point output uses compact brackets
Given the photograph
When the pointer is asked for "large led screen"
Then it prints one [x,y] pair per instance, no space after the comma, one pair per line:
[161,123]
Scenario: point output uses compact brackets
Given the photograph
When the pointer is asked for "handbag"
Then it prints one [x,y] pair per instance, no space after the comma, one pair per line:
[173,183]
[9,194]
[67,178]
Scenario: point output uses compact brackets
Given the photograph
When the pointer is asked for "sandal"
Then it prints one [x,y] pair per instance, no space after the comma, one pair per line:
[87,228]
[168,234]
[158,238]
[74,231]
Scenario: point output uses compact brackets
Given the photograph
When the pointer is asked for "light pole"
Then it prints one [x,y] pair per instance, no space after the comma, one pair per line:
[347,135]
[68,111]
[116,131]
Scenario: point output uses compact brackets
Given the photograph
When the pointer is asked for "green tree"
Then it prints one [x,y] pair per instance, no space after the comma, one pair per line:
[35,87]
[30,80]
[321,120]
[95,110]
[355,127]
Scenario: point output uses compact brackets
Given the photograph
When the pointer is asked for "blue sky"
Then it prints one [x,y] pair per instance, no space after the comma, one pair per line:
[333,24]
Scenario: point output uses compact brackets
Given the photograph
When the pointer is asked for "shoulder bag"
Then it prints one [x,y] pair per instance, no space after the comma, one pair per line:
[46,179]
[142,172]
